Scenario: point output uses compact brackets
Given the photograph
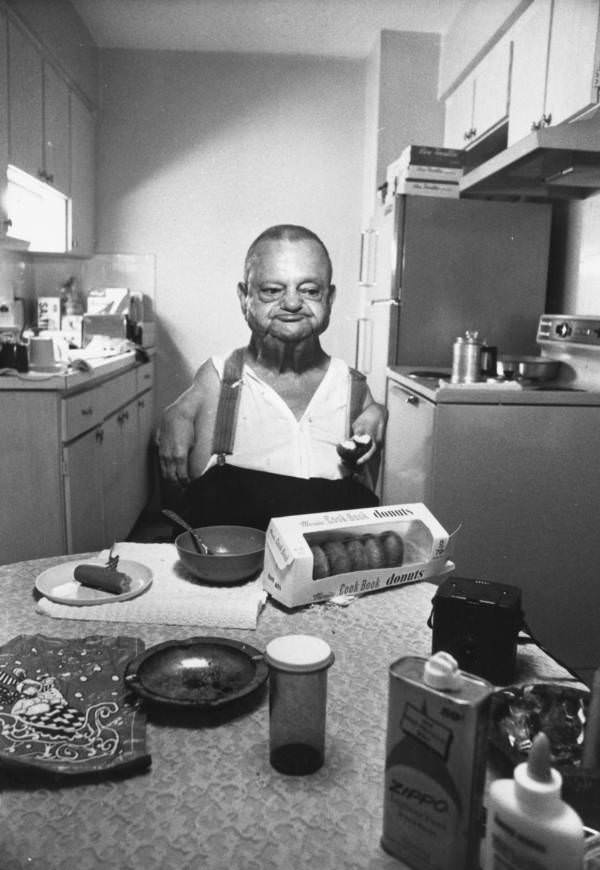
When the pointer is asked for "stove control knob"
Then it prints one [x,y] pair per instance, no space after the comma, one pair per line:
[563,330]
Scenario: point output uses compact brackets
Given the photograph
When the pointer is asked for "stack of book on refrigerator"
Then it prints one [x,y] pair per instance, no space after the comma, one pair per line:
[425,171]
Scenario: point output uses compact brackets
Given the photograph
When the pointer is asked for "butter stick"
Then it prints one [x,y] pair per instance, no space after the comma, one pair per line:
[101,577]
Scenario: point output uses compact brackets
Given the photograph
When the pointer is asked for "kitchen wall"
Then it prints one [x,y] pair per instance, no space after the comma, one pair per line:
[197,153]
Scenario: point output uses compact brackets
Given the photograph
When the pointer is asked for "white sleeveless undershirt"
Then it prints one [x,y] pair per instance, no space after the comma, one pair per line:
[268,437]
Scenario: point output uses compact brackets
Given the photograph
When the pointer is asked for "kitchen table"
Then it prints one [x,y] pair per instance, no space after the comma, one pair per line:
[210,799]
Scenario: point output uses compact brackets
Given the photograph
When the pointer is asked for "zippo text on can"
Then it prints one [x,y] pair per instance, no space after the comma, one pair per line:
[435,763]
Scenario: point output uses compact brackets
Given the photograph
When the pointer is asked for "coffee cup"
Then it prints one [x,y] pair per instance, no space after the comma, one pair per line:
[41,352]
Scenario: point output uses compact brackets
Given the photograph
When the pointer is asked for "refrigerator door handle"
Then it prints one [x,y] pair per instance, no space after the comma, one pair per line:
[385,300]
[364,345]
[368,258]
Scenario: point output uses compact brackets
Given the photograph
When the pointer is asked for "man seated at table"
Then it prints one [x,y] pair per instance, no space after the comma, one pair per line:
[256,434]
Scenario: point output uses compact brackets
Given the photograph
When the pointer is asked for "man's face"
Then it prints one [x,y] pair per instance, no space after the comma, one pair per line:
[288,295]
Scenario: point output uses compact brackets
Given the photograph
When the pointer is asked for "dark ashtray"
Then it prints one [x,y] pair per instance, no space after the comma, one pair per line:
[518,713]
[199,673]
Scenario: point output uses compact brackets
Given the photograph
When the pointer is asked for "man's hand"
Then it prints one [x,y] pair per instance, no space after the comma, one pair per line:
[371,421]
[174,439]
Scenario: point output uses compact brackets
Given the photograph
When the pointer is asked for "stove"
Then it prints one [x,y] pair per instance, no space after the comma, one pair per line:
[513,466]
[573,340]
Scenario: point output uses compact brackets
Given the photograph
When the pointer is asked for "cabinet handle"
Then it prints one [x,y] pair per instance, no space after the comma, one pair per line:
[41,174]
[536,125]
[547,119]
[100,435]
[86,412]
[409,398]
[141,404]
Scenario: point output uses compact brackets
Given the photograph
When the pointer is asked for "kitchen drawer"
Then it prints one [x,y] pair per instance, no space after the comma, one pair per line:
[119,391]
[145,377]
[85,410]
[81,412]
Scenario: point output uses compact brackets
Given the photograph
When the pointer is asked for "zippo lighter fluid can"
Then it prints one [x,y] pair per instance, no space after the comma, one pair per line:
[434,768]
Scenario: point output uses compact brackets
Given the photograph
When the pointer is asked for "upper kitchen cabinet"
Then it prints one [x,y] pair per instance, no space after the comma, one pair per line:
[56,130]
[3,118]
[480,102]
[81,186]
[555,64]
[38,113]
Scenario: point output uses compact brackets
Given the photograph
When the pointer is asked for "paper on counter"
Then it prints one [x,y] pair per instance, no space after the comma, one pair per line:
[174,598]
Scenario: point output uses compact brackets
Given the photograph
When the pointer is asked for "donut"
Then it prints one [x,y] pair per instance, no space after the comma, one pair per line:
[338,558]
[353,448]
[393,548]
[320,563]
[374,552]
[356,554]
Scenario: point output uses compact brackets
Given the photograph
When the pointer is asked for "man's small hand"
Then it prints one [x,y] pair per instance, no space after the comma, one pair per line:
[372,422]
[174,438]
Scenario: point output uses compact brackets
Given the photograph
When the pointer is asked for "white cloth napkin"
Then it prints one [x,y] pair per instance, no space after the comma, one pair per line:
[174,598]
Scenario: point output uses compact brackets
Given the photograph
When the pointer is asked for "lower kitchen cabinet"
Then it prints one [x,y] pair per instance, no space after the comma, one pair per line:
[516,482]
[77,464]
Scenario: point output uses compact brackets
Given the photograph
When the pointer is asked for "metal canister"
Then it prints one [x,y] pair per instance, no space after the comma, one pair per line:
[466,359]
[435,763]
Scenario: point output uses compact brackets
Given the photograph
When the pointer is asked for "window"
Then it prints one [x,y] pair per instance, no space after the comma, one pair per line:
[38,212]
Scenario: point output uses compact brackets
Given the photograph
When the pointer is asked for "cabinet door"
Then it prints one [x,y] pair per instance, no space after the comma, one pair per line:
[31,517]
[82,177]
[492,88]
[571,86]
[82,470]
[529,67]
[4,226]
[144,458]
[458,130]
[408,456]
[25,102]
[119,457]
[56,130]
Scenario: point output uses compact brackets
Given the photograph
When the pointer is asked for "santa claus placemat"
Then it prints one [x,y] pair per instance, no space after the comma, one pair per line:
[64,708]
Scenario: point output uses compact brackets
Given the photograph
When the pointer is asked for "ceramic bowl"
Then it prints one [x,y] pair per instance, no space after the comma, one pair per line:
[237,553]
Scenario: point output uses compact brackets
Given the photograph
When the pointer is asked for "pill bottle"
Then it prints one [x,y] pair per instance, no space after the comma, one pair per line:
[298,666]
[528,823]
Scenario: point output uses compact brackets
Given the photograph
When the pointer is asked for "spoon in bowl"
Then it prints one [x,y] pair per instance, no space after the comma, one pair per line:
[196,539]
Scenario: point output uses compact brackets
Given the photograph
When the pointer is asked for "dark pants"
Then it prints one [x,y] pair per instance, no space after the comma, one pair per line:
[227,495]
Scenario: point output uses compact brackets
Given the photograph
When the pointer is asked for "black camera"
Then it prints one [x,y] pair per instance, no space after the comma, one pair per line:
[478,622]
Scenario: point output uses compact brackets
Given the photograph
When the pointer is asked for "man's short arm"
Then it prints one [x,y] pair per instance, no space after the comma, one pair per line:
[177,431]
[371,421]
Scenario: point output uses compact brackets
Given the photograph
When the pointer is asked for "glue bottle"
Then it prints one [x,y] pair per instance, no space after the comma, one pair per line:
[528,823]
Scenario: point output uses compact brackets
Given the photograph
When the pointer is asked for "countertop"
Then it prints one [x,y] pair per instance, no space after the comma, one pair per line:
[73,379]
[210,799]
[489,393]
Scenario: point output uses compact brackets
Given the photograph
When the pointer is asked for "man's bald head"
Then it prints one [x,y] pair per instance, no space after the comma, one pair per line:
[288,233]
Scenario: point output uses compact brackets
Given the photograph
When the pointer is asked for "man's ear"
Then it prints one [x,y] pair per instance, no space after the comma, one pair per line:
[242,292]
[331,294]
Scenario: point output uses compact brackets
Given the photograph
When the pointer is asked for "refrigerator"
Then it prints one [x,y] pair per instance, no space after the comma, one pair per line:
[433,268]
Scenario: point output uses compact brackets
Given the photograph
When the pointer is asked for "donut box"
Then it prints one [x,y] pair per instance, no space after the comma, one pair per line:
[313,557]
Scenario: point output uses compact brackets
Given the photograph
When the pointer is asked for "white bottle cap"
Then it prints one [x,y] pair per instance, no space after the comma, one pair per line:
[441,672]
[300,653]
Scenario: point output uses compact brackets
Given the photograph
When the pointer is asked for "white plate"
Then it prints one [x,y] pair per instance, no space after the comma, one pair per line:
[58,584]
